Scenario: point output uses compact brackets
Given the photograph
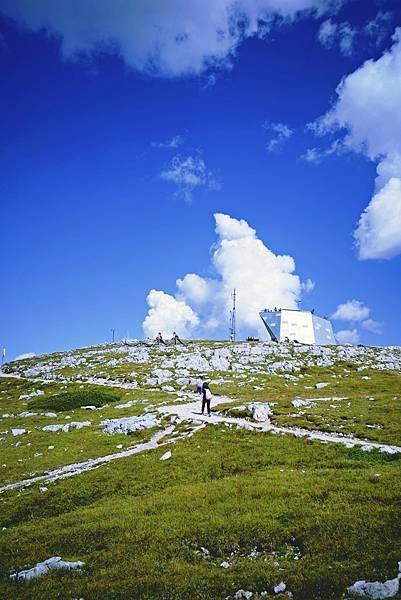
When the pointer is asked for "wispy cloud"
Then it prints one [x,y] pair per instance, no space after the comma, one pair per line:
[173,142]
[281,133]
[347,37]
[316,155]
[188,174]
[308,285]
[341,34]
[379,27]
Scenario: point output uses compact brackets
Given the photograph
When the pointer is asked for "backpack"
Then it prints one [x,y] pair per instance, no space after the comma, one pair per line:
[208,394]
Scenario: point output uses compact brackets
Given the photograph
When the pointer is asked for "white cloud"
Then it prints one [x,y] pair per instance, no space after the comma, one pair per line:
[355,311]
[372,326]
[367,116]
[308,285]
[167,314]
[314,155]
[195,289]
[352,310]
[347,336]
[229,229]
[379,230]
[162,38]
[281,134]
[188,174]
[25,355]
[173,142]
[242,261]
[343,34]
[378,28]
[327,33]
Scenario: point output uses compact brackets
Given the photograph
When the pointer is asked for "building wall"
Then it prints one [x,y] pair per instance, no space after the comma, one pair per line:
[272,321]
[299,325]
[323,331]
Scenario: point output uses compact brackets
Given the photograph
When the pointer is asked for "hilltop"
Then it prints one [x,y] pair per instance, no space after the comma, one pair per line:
[290,489]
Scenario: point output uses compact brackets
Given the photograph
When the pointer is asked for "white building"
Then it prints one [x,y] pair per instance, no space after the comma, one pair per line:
[297,325]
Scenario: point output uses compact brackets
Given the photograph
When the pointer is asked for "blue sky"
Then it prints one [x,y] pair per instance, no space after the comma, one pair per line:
[112,168]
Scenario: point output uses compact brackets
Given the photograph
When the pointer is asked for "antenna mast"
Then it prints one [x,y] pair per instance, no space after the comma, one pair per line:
[233,332]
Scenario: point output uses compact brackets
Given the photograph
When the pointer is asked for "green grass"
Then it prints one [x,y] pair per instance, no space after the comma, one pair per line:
[376,402]
[28,455]
[256,500]
[70,400]
[139,523]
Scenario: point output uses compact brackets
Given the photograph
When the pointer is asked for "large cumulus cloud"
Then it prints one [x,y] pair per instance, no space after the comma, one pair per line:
[240,260]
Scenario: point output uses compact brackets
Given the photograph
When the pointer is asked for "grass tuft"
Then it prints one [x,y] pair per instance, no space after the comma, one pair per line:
[71,400]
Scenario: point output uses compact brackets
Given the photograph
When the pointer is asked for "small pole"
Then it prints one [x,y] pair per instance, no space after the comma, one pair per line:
[112,335]
[3,355]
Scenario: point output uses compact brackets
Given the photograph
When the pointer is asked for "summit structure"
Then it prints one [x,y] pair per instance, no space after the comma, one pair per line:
[290,325]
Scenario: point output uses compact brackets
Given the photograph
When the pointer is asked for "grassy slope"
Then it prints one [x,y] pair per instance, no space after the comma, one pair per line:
[139,523]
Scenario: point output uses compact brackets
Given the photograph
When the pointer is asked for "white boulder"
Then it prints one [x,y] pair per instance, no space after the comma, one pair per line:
[261,411]
[166,455]
[46,566]
[16,432]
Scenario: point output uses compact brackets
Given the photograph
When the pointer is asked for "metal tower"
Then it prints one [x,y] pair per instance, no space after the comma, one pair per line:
[232,318]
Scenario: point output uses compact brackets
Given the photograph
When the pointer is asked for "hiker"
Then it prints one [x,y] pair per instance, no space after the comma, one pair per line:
[159,339]
[177,339]
[199,385]
[206,397]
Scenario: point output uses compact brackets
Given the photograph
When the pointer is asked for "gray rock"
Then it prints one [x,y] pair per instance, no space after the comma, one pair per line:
[129,424]
[375,590]
[42,568]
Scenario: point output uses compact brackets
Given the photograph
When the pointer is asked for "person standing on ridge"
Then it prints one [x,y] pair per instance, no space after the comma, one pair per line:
[206,398]
[199,386]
